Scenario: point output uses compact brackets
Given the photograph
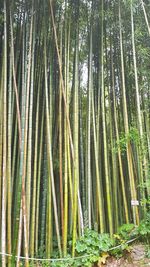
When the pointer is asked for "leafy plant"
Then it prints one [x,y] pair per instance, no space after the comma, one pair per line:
[64,263]
[148,251]
[132,136]
[143,230]
[94,245]
[146,200]
[126,231]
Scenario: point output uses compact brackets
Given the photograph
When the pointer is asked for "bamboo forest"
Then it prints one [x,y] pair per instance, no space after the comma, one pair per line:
[74,125]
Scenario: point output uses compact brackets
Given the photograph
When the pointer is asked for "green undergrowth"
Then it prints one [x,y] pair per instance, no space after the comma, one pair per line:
[93,248]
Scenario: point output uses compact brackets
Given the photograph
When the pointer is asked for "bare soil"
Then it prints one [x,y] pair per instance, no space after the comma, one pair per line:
[136,258]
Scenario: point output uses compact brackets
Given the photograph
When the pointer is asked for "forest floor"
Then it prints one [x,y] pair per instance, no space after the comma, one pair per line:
[136,258]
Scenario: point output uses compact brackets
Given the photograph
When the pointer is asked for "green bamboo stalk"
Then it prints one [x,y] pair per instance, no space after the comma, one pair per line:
[60,148]
[107,178]
[88,170]
[1,143]
[65,219]
[146,17]
[49,149]
[44,201]
[30,141]
[14,78]
[76,143]
[33,218]
[39,181]
[4,171]
[49,229]
[9,181]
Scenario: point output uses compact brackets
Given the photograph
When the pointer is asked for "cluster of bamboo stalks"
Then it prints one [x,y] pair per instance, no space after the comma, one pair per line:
[62,164]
